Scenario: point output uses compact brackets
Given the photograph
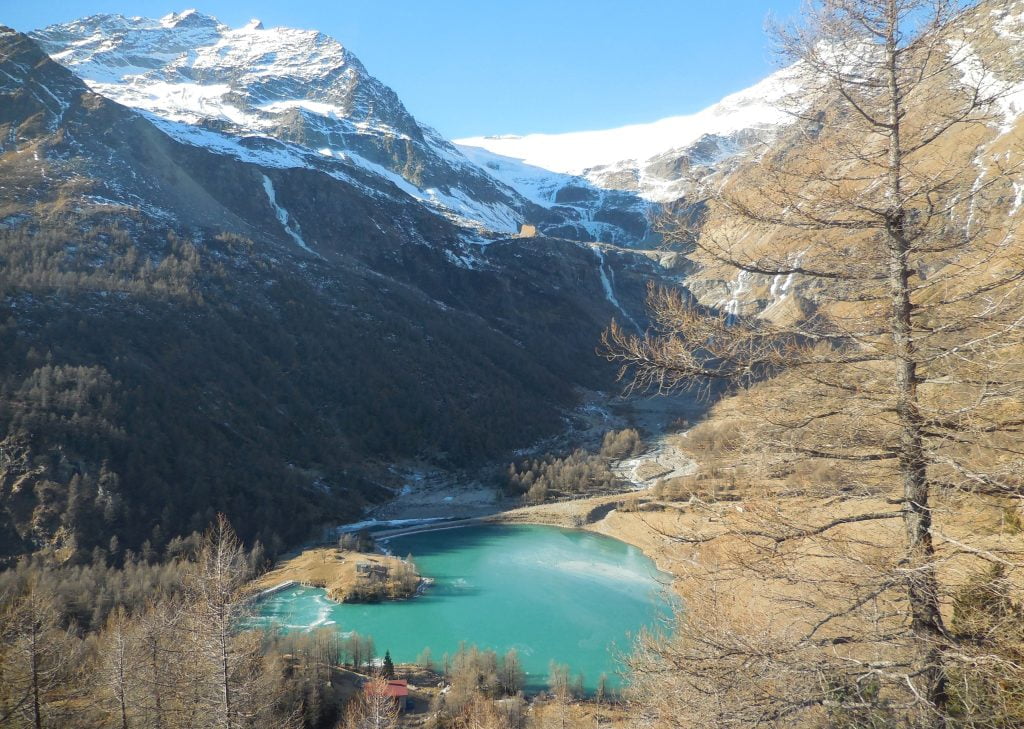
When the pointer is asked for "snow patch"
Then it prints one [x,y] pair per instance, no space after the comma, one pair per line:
[606,283]
[534,183]
[184,102]
[317,107]
[736,290]
[494,216]
[1018,201]
[1008,98]
[782,284]
[283,217]
[1011,25]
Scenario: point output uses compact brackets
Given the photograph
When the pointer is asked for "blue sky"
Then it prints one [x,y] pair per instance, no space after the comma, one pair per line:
[471,67]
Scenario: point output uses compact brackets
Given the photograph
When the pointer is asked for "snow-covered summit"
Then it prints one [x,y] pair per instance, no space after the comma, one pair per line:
[187,18]
[607,157]
[209,84]
[576,152]
[188,66]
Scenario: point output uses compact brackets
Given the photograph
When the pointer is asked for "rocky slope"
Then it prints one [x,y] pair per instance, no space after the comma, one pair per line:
[980,163]
[190,328]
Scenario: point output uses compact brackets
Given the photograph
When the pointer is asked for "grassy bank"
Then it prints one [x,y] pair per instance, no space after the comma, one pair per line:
[347,576]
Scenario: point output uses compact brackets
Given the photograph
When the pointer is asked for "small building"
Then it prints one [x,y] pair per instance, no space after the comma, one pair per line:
[396,689]
[527,231]
[367,570]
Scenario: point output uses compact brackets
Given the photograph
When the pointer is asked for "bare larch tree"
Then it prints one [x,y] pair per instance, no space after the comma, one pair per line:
[886,201]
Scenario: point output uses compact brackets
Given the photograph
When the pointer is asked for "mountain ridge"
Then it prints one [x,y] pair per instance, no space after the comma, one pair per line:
[210,85]
[640,157]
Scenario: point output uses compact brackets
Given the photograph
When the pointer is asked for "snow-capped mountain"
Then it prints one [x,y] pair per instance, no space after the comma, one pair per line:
[660,160]
[294,323]
[199,77]
[287,98]
[266,264]
[232,89]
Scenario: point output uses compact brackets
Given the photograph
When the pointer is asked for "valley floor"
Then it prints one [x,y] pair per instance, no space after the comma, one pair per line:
[435,494]
[663,528]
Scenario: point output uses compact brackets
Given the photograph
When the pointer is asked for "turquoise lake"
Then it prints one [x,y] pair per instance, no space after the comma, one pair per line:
[550,593]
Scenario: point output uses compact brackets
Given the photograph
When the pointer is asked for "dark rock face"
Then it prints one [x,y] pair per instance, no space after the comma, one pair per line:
[575,194]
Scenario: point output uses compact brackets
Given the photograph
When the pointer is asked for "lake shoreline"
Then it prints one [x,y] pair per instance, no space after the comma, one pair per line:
[548,592]
[626,527]
[458,503]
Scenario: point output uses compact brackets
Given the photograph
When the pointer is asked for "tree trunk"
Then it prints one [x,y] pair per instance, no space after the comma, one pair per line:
[124,711]
[226,680]
[37,713]
[121,677]
[922,585]
[156,677]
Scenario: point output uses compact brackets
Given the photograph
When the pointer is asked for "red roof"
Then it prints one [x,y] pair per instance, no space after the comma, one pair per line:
[395,689]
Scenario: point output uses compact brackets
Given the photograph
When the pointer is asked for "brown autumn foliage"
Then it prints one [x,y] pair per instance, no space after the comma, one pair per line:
[882,412]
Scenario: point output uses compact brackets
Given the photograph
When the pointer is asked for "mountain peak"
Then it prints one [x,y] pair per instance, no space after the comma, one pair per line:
[210,85]
[191,47]
[190,18]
